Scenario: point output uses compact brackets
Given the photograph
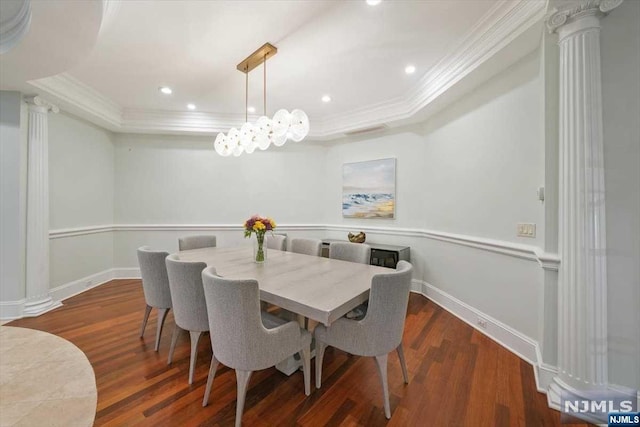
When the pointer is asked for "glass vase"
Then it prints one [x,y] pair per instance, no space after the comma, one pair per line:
[259,249]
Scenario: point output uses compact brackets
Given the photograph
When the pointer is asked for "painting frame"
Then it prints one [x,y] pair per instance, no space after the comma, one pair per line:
[369,189]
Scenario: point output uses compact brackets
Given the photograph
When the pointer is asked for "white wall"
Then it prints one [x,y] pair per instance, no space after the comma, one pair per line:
[12,199]
[81,193]
[472,170]
[621,109]
[181,180]
[484,159]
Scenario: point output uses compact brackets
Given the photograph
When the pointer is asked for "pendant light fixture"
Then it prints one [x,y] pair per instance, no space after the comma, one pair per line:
[283,126]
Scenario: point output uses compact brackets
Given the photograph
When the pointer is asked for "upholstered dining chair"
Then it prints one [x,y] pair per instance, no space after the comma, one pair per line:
[245,338]
[189,307]
[353,252]
[155,285]
[306,246]
[379,332]
[196,242]
[277,241]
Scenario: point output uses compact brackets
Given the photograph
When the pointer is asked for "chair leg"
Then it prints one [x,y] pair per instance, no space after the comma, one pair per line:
[195,338]
[403,363]
[162,314]
[212,374]
[305,355]
[320,346]
[381,362]
[147,311]
[174,340]
[242,377]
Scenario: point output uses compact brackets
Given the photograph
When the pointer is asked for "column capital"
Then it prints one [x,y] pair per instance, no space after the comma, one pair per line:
[40,104]
[572,11]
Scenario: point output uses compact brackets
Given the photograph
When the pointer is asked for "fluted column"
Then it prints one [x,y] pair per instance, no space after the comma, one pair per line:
[37,260]
[582,280]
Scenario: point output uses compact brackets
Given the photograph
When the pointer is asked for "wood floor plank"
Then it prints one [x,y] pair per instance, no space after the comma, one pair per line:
[457,375]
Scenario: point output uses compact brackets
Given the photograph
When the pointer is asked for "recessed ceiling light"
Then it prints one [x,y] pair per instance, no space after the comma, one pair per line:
[326,98]
[373,2]
[165,89]
[251,109]
[191,106]
[410,69]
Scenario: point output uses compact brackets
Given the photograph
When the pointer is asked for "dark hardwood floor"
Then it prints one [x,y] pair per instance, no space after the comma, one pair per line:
[457,375]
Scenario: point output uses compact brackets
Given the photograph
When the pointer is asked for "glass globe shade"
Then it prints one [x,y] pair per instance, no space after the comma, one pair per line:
[281,122]
[246,135]
[278,140]
[263,133]
[233,140]
[221,146]
[299,127]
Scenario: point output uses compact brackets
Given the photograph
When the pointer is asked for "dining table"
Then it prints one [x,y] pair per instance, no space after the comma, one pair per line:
[317,288]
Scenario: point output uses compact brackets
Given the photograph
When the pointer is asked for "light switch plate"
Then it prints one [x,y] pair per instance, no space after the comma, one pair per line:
[526,230]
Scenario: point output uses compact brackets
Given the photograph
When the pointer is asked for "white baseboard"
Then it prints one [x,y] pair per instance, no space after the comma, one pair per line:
[544,376]
[126,273]
[514,341]
[10,310]
[70,289]
[76,287]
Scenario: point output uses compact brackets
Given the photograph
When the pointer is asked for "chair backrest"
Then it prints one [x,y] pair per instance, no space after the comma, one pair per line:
[155,282]
[196,242]
[353,252]
[277,241]
[187,295]
[387,309]
[306,246]
[238,337]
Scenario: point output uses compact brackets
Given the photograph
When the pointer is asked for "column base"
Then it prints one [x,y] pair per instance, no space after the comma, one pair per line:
[554,393]
[40,306]
[559,389]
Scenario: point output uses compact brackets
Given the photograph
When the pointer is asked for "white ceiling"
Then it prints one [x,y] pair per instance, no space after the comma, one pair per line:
[354,52]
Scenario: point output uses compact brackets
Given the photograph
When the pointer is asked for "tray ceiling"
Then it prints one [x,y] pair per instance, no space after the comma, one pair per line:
[353,52]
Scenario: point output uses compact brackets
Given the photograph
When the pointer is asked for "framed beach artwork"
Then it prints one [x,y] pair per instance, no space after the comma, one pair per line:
[369,189]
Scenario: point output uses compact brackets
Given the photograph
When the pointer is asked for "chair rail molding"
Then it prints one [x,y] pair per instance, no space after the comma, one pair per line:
[547,261]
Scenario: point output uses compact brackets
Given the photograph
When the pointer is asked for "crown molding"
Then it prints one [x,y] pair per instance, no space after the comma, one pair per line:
[178,122]
[500,26]
[81,99]
[504,22]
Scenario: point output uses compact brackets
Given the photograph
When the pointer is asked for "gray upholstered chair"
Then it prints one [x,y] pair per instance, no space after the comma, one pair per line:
[379,332]
[155,285]
[196,242]
[277,241]
[306,246]
[189,307]
[353,252]
[246,339]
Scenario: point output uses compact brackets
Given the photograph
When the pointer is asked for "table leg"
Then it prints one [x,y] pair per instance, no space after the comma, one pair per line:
[291,364]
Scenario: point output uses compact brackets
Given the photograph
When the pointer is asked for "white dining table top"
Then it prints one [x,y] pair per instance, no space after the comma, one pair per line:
[318,288]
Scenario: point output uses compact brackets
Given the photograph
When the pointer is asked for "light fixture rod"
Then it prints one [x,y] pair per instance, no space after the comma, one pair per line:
[246,98]
[257,58]
[264,85]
